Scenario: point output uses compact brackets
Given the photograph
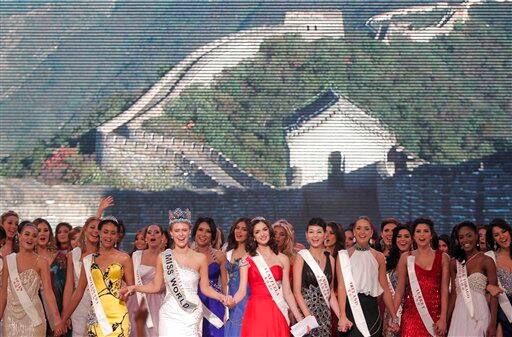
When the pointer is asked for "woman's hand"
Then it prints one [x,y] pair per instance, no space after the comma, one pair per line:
[60,328]
[344,324]
[494,290]
[440,327]
[126,292]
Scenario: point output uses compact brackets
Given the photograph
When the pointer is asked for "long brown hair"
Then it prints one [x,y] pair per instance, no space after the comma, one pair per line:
[51,246]
[251,244]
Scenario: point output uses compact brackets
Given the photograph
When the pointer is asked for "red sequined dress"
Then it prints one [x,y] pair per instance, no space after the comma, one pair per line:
[262,317]
[430,284]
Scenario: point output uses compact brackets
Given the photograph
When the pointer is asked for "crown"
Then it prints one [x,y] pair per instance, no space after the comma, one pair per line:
[110,218]
[179,215]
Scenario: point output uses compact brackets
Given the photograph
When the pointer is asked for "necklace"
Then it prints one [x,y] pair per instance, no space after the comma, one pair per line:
[360,248]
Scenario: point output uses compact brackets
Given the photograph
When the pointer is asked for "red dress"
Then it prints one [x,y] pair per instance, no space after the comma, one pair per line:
[430,284]
[262,317]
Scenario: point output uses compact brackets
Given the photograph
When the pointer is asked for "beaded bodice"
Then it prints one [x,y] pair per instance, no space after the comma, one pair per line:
[477,282]
[505,278]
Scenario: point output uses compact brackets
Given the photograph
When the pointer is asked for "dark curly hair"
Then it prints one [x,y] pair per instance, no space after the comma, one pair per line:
[448,241]
[211,224]
[232,244]
[251,244]
[458,252]
[501,223]
[430,224]
[395,253]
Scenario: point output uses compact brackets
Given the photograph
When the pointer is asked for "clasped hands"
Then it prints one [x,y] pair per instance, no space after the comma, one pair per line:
[61,328]
[126,292]
[228,301]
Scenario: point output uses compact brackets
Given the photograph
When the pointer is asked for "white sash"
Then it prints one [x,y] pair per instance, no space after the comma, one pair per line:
[25,301]
[212,318]
[229,255]
[323,283]
[462,280]
[173,282]
[137,258]
[418,296]
[95,299]
[351,290]
[392,290]
[502,298]
[273,287]
[76,253]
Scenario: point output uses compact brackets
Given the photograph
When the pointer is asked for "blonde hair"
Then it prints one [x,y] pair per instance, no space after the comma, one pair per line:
[288,242]
[81,238]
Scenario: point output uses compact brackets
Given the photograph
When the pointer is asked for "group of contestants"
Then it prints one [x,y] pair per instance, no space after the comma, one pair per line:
[182,281]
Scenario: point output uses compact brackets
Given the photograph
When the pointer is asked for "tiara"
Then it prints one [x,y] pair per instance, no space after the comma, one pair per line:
[179,215]
[110,218]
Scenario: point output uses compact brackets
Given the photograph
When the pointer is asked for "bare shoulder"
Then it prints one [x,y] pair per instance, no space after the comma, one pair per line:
[199,257]
[42,263]
[487,259]
[285,260]
[446,258]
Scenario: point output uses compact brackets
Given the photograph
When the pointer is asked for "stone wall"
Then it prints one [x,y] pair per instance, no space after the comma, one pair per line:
[476,190]
[342,129]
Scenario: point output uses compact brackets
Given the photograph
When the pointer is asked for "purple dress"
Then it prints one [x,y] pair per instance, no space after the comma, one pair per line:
[215,306]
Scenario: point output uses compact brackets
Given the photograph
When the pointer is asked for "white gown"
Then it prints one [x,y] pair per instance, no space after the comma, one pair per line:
[462,323]
[174,321]
[79,316]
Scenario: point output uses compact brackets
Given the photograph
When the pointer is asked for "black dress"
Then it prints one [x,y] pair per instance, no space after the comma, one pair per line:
[315,300]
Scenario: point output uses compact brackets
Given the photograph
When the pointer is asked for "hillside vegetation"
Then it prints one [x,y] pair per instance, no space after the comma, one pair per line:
[448,100]
[65,62]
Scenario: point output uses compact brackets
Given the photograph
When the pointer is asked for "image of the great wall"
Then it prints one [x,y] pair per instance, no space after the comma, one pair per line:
[342,161]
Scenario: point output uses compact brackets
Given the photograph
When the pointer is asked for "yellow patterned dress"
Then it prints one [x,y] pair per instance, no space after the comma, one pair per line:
[108,284]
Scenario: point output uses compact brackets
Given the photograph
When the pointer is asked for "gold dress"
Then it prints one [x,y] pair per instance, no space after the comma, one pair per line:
[108,284]
[16,323]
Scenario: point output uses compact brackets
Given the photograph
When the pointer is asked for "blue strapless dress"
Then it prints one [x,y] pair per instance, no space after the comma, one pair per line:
[215,306]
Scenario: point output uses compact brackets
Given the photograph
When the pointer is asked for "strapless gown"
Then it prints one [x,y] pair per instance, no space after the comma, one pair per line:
[262,316]
[505,278]
[430,284]
[174,321]
[215,306]
[462,323]
[79,316]
[108,284]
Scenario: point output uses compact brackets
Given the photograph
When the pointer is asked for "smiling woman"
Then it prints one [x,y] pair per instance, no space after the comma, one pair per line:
[313,272]
[144,269]
[181,270]
[266,312]
[104,272]
[204,233]
[26,317]
[471,271]
[46,248]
